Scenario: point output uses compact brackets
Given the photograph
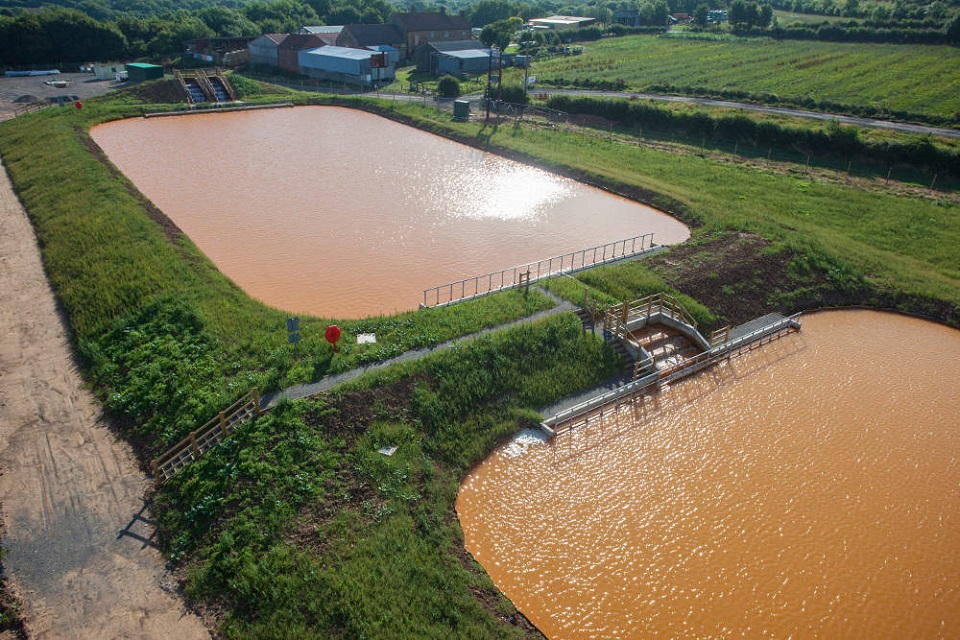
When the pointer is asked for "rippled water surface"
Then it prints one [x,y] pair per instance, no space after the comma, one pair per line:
[810,489]
[337,212]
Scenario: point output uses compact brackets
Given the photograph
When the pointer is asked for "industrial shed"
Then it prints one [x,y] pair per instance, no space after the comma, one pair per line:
[559,23]
[342,64]
[288,51]
[140,72]
[471,61]
[425,57]
[262,51]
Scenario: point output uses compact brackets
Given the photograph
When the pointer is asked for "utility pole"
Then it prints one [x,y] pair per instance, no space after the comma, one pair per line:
[489,71]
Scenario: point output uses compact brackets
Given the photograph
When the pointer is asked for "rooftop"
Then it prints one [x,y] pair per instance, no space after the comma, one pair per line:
[431,21]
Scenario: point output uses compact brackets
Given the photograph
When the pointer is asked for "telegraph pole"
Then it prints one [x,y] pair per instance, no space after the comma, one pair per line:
[489,70]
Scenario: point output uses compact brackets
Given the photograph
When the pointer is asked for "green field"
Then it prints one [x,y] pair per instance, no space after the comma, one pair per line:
[296,526]
[914,79]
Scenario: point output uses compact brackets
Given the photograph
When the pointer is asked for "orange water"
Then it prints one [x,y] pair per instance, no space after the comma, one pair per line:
[337,212]
[810,489]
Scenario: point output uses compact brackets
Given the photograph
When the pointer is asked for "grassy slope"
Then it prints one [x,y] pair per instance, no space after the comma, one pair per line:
[916,79]
[297,527]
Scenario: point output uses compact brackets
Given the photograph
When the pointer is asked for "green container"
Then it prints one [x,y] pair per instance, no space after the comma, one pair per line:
[461,109]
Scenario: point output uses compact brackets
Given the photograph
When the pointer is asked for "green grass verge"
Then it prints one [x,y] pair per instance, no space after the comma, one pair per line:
[915,79]
[301,528]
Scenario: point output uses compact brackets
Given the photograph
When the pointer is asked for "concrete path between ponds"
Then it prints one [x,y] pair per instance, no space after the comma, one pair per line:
[307,390]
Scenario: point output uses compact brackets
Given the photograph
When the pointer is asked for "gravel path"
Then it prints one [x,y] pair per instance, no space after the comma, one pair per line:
[329,382]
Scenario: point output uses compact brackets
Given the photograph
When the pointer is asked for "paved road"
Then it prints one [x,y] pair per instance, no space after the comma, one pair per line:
[800,113]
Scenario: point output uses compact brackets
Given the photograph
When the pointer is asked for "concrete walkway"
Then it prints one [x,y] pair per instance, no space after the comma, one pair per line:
[269,400]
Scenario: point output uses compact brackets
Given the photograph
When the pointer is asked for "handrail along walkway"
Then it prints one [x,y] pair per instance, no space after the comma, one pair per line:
[470,288]
[568,418]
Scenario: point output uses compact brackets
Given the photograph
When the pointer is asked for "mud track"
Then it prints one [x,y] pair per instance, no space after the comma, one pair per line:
[79,542]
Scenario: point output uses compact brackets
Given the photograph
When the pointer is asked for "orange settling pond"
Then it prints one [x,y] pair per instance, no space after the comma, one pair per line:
[809,489]
[340,213]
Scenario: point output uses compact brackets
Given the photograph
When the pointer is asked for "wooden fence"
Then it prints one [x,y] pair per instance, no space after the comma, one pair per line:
[206,437]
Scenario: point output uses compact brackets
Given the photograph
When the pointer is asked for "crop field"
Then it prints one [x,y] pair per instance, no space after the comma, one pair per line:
[905,78]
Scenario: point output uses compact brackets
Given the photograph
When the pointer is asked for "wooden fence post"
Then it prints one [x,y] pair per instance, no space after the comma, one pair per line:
[193,444]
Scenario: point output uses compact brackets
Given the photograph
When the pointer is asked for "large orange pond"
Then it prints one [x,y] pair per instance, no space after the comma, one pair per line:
[810,489]
[337,212]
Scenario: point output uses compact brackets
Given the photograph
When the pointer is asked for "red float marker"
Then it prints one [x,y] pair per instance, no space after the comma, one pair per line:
[332,335]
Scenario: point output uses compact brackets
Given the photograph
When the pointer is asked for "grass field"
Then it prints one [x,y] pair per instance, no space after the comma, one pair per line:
[916,79]
[296,526]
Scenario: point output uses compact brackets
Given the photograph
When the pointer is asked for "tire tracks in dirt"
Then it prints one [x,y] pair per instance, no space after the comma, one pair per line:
[79,538]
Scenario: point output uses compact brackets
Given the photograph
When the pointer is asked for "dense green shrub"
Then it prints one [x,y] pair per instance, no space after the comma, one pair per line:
[448,87]
[835,140]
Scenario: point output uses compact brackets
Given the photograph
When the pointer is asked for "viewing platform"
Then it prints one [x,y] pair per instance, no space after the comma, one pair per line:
[666,345]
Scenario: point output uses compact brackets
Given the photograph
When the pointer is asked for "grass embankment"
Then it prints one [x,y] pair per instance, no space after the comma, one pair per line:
[914,81]
[300,528]
[297,526]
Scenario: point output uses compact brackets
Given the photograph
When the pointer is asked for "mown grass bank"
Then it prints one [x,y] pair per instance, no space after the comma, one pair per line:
[912,82]
[297,526]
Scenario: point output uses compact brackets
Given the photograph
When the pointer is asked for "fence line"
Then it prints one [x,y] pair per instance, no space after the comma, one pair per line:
[509,278]
[206,437]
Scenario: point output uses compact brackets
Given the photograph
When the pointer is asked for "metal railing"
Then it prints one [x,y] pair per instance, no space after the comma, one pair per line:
[494,281]
[612,400]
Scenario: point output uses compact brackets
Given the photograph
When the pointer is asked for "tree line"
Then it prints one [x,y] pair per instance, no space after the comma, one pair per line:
[61,35]
[102,30]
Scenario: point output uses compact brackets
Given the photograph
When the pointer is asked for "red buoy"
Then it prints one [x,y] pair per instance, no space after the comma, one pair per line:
[332,335]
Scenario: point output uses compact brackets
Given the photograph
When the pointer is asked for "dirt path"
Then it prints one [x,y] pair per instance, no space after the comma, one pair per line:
[77,531]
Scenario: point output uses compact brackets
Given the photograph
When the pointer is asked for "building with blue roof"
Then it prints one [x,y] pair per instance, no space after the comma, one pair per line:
[344,64]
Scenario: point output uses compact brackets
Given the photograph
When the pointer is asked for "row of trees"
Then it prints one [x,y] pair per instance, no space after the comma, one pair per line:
[60,35]
[103,31]
[837,141]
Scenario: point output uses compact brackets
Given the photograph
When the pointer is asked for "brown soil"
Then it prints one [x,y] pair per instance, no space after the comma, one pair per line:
[79,542]
[732,274]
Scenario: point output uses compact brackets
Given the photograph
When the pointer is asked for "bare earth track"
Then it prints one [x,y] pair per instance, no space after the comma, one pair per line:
[78,542]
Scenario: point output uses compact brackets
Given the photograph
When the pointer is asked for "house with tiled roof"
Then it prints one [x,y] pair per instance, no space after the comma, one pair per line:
[425,27]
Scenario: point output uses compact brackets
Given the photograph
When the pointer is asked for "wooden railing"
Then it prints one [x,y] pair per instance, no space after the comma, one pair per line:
[206,437]
[494,281]
[619,316]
